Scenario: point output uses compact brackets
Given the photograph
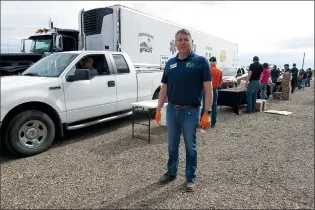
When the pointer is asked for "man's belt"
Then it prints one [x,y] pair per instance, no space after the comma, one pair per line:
[184,106]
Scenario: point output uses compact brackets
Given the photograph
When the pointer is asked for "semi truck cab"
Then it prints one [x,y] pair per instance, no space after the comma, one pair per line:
[52,40]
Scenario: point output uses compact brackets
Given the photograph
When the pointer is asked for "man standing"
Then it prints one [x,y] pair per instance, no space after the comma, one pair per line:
[216,82]
[275,74]
[253,84]
[294,71]
[308,77]
[184,78]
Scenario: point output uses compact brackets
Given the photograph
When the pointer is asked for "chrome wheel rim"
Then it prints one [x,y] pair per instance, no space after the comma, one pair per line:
[33,133]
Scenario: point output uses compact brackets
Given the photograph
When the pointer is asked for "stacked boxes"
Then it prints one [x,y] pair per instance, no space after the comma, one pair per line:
[286,87]
[260,105]
[276,95]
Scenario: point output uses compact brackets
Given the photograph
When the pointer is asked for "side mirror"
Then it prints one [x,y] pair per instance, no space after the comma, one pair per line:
[79,74]
[22,47]
[59,43]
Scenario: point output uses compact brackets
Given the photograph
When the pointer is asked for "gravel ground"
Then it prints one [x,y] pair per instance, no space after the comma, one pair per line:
[247,161]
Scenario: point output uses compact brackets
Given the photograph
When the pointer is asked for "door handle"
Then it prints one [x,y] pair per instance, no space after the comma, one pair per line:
[111,83]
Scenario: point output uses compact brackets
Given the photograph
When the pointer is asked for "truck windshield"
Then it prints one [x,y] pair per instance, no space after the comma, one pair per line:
[50,66]
[228,71]
[41,45]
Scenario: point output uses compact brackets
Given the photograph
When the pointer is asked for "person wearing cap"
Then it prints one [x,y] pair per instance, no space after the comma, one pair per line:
[183,81]
[294,72]
[255,74]
[88,64]
[308,77]
[216,82]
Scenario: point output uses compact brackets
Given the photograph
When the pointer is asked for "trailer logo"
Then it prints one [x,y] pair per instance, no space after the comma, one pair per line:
[172,47]
[145,42]
[223,56]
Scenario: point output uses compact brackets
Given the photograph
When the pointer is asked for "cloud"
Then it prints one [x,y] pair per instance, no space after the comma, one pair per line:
[296,43]
[257,27]
[278,58]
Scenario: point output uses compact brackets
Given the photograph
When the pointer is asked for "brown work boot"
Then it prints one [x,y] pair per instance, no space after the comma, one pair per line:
[166,178]
[190,186]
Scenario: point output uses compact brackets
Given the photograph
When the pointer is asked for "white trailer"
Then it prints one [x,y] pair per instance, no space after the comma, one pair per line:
[145,38]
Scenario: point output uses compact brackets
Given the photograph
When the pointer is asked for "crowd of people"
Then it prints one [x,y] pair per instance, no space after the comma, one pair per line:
[260,77]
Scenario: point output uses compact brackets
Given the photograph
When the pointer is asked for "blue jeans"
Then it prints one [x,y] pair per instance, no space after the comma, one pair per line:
[303,83]
[214,107]
[182,121]
[308,82]
[264,91]
[251,94]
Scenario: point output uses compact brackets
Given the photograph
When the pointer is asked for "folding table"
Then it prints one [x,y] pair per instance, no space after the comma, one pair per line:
[150,105]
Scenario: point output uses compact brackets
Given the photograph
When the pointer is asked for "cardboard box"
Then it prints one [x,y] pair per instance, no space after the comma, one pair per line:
[285,97]
[285,94]
[285,89]
[286,83]
[286,76]
[260,105]
[276,95]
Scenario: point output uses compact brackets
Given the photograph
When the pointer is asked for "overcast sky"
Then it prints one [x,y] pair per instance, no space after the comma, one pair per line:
[277,32]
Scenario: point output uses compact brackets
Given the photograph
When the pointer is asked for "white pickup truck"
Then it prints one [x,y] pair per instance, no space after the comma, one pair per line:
[57,93]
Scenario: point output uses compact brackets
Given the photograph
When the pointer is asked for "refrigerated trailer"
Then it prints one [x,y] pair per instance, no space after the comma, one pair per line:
[147,39]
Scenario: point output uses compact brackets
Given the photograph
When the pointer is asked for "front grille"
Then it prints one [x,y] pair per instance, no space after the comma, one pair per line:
[93,20]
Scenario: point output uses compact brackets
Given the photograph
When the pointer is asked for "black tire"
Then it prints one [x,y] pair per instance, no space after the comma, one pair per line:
[12,137]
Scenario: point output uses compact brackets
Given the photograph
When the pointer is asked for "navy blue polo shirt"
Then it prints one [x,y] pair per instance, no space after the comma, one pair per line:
[184,79]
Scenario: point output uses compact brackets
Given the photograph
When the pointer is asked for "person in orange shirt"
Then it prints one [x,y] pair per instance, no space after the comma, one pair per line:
[217,79]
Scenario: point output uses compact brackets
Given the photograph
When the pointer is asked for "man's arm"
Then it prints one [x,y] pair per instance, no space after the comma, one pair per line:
[207,85]
[209,94]
[163,91]
[249,75]
[162,96]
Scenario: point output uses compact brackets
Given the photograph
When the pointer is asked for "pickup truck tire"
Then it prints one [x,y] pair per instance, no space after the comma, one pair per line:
[30,133]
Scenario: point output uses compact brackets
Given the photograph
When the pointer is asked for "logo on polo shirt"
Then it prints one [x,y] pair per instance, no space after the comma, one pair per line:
[189,64]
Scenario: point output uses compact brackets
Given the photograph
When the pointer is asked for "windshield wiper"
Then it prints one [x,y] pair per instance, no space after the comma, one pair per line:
[30,74]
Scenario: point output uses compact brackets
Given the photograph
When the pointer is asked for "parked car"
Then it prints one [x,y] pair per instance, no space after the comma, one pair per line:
[57,94]
[232,77]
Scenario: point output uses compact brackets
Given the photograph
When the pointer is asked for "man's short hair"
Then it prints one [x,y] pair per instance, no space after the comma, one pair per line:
[256,59]
[183,31]
[265,65]
[86,60]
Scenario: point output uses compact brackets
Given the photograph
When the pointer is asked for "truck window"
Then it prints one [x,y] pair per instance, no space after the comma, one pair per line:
[95,62]
[121,64]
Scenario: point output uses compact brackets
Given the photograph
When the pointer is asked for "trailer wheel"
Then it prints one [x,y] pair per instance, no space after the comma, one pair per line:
[30,133]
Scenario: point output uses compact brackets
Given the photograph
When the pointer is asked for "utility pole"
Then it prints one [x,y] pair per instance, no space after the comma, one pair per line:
[303,61]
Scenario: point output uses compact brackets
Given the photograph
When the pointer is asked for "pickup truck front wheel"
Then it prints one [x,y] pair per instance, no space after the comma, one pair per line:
[30,133]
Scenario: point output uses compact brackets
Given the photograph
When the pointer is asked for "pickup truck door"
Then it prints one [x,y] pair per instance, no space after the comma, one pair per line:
[126,80]
[91,98]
